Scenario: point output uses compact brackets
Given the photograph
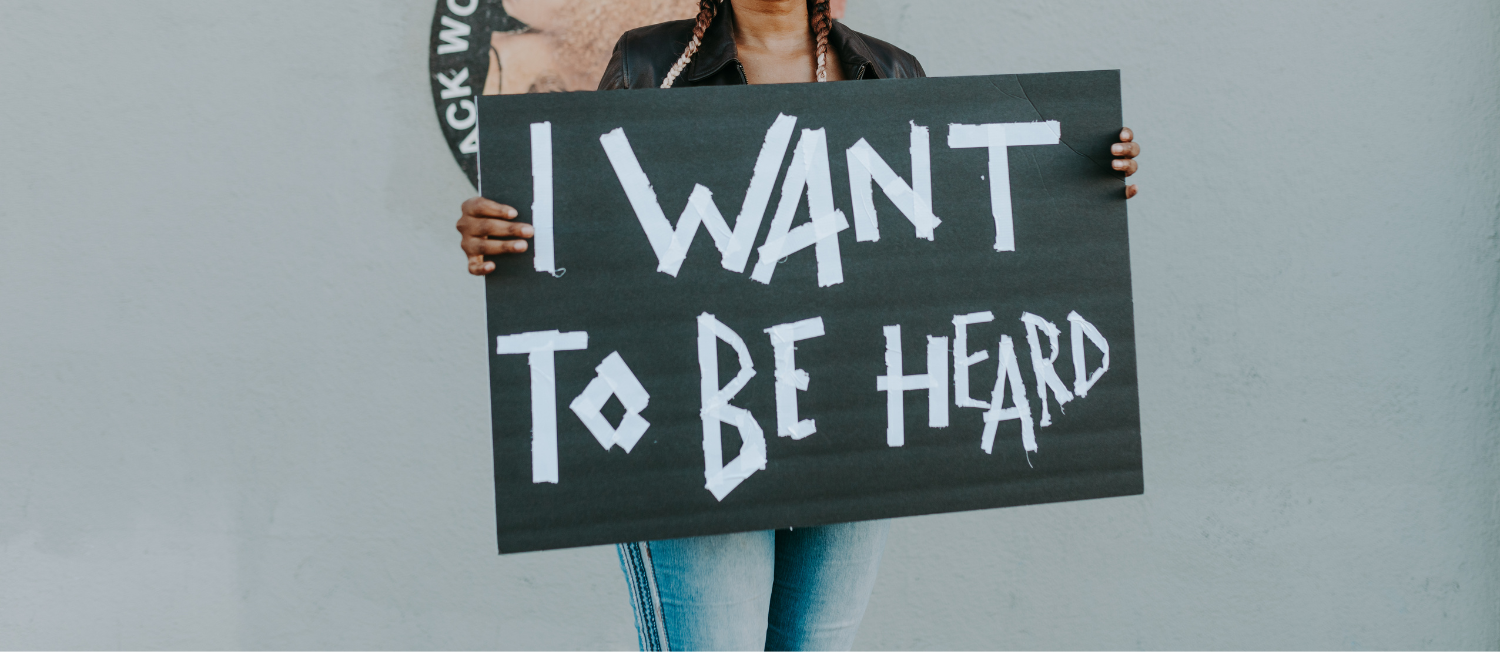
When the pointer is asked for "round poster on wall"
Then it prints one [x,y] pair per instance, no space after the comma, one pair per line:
[495,47]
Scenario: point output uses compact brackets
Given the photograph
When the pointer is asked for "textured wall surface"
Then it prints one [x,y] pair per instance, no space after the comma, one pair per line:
[243,401]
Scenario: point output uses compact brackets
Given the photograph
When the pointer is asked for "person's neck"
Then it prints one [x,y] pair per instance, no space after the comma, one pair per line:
[771,25]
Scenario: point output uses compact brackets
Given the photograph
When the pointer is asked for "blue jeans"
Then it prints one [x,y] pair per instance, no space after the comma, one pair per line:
[798,589]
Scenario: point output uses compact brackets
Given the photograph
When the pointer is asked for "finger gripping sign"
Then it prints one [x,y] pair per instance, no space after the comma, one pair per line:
[773,306]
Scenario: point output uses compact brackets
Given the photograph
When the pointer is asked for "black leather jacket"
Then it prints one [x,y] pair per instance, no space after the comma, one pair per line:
[643,56]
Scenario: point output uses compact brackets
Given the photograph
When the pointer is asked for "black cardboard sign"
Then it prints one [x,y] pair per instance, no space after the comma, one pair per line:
[788,305]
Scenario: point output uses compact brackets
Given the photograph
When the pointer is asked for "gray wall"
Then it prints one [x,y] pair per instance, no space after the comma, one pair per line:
[243,401]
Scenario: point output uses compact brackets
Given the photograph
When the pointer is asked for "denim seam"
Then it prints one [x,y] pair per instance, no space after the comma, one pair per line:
[644,596]
[659,623]
[628,567]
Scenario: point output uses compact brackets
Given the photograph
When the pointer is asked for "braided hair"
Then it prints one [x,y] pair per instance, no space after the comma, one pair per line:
[819,18]
[821,21]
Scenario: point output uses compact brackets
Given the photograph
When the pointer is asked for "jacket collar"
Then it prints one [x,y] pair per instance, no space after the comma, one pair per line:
[717,49]
[853,52]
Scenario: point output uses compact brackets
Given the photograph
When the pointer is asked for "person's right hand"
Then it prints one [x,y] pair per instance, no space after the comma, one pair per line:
[482,220]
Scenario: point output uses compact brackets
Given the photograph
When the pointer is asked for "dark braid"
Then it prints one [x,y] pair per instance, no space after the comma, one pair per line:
[821,20]
[706,11]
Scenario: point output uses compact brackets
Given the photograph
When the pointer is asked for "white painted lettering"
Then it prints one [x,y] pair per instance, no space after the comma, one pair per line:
[1041,367]
[453,38]
[614,378]
[895,383]
[962,359]
[454,86]
[462,10]
[808,169]
[471,115]
[1009,373]
[722,478]
[671,244]
[1080,328]
[998,138]
[790,379]
[541,197]
[914,201]
[539,348]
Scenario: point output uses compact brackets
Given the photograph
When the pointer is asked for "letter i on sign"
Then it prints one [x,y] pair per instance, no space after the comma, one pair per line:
[541,198]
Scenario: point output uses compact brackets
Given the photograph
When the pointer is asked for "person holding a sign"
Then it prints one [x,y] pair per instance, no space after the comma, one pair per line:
[802,588]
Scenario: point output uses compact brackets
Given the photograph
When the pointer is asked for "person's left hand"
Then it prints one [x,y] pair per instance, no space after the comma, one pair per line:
[1125,152]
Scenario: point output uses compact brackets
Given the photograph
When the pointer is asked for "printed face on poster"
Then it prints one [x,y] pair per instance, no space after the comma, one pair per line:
[770,306]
